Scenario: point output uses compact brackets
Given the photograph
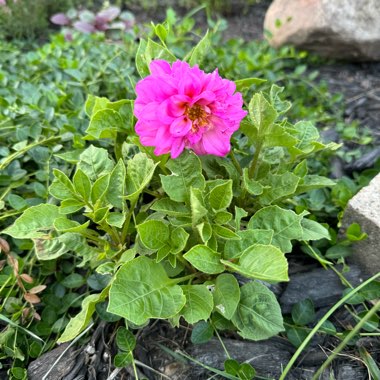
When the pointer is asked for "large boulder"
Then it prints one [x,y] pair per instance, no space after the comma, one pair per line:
[364,208]
[344,29]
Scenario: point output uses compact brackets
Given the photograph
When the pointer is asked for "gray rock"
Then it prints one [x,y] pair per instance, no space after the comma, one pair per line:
[364,209]
[364,162]
[268,357]
[350,372]
[347,29]
[322,286]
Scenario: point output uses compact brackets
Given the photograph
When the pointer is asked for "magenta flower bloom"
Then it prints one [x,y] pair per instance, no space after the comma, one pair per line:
[180,107]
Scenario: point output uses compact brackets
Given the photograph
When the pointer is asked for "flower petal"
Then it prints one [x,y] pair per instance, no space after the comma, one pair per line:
[180,126]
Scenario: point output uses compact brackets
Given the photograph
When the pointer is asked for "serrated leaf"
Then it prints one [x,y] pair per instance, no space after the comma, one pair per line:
[199,303]
[186,173]
[142,290]
[140,171]
[258,315]
[204,259]
[263,262]
[280,105]
[253,187]
[286,225]
[116,190]
[226,295]
[154,234]
[34,222]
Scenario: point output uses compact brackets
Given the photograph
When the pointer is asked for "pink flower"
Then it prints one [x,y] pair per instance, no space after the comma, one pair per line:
[180,107]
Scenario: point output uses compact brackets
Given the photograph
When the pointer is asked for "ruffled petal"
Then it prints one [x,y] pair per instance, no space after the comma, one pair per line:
[180,126]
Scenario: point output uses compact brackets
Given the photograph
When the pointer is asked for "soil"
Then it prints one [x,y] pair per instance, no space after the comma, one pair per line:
[360,84]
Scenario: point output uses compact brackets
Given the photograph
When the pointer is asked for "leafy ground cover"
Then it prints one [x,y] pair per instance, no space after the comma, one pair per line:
[66,132]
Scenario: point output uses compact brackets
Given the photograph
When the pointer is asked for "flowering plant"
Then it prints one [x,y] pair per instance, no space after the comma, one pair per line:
[172,238]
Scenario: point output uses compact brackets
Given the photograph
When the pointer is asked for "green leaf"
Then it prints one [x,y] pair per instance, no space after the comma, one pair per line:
[242,84]
[281,106]
[63,224]
[142,290]
[73,280]
[200,50]
[240,213]
[286,225]
[253,187]
[303,312]
[94,104]
[154,234]
[125,340]
[171,208]
[34,222]
[178,240]
[263,262]
[204,259]
[198,209]
[16,202]
[69,206]
[82,184]
[99,189]
[104,124]
[140,59]
[226,295]
[202,333]
[261,112]
[156,51]
[116,219]
[199,303]
[296,335]
[354,233]
[139,173]
[234,248]
[224,233]
[95,162]
[82,319]
[122,359]
[61,188]
[220,196]
[186,173]
[311,182]
[116,190]
[279,186]
[312,230]
[258,315]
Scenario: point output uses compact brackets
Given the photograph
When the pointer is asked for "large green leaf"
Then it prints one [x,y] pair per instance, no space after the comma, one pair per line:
[78,323]
[261,112]
[139,173]
[311,182]
[312,230]
[199,303]
[171,208]
[186,173]
[61,187]
[204,259]
[95,162]
[200,50]
[286,225]
[142,290]
[258,315]
[34,222]
[226,295]
[82,184]
[116,189]
[263,262]
[198,209]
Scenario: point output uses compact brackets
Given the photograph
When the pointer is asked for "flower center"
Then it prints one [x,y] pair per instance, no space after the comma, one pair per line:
[198,117]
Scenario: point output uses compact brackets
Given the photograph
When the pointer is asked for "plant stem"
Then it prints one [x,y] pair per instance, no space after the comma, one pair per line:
[183,279]
[348,337]
[255,159]
[235,162]
[119,140]
[320,323]
[124,231]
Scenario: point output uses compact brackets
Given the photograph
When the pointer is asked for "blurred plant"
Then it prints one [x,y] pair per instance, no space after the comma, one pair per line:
[86,21]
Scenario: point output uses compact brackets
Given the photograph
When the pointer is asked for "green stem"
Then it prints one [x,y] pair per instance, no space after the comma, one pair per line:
[236,162]
[120,138]
[134,369]
[221,342]
[183,279]
[348,337]
[320,323]
[255,159]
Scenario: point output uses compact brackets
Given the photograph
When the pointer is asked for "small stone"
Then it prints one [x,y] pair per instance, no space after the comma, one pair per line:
[350,372]
[322,286]
[364,209]
[344,29]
